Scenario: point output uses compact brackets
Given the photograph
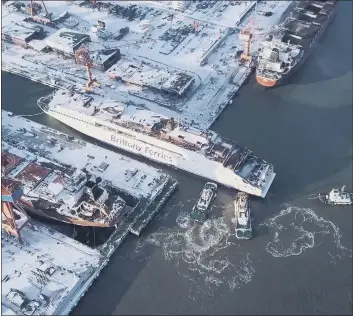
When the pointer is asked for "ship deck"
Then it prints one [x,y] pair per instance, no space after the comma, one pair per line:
[208,55]
[55,148]
[225,151]
[46,274]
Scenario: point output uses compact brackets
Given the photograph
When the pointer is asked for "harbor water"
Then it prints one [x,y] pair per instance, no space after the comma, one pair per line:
[300,259]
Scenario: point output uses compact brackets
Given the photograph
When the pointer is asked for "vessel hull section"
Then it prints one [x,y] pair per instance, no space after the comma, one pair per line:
[307,48]
[186,160]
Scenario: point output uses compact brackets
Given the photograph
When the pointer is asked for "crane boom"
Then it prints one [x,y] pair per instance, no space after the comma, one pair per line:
[82,56]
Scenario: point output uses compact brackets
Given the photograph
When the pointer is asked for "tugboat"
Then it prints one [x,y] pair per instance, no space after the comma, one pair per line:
[200,210]
[337,197]
[242,220]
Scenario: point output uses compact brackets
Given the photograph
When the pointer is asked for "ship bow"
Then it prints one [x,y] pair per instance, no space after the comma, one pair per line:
[266,82]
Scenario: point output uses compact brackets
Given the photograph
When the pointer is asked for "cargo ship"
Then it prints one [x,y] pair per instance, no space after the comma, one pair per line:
[71,181]
[286,48]
[168,141]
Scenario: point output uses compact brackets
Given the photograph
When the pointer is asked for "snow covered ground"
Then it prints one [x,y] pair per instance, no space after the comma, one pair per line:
[128,175]
[46,274]
[49,272]
[165,37]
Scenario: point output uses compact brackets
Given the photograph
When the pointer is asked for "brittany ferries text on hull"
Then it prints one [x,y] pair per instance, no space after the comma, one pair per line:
[162,139]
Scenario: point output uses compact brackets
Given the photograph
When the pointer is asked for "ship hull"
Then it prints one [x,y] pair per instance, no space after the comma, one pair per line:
[271,83]
[266,82]
[31,210]
[188,161]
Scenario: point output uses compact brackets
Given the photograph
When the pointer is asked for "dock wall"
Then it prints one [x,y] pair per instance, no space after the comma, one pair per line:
[216,44]
[115,240]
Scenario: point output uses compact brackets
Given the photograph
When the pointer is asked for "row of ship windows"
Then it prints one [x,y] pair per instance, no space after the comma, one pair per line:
[74,118]
[95,124]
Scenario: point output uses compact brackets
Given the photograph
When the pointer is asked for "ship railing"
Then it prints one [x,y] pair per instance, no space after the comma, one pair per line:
[43,102]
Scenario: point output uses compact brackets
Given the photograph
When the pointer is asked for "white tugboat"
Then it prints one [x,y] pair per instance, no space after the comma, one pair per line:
[200,210]
[242,220]
[337,197]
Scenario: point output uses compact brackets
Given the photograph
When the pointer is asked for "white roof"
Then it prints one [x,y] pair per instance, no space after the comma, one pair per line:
[20,29]
[64,43]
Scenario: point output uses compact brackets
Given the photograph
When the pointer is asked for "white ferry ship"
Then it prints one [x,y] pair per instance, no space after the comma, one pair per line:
[162,139]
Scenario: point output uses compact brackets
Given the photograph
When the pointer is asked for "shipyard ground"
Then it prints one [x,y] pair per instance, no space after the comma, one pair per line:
[305,129]
[209,55]
[150,187]
[50,270]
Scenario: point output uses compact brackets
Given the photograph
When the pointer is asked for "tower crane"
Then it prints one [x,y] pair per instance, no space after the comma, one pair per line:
[83,56]
[246,36]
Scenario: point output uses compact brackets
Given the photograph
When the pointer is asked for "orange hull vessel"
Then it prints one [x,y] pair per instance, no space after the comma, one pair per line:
[265,81]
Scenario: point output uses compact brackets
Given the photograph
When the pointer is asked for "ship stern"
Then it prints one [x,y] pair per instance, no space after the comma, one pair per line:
[268,184]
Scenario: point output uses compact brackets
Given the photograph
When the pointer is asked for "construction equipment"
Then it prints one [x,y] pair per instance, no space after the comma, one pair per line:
[83,57]
[11,221]
[34,9]
[337,197]
[246,36]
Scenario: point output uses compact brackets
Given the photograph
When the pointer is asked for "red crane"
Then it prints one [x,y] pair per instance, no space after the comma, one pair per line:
[11,192]
[34,8]
[83,57]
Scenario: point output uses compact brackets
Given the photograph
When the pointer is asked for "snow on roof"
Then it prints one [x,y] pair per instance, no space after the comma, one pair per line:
[143,74]
[23,283]
[37,45]
[20,29]
[79,154]
[66,40]
[100,57]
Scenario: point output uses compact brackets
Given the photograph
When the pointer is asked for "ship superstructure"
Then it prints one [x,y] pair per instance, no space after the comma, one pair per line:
[242,218]
[69,180]
[289,44]
[166,140]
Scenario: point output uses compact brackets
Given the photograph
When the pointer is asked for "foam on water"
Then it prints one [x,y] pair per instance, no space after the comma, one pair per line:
[200,251]
[297,229]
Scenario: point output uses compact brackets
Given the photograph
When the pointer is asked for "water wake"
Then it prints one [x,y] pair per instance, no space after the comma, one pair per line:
[200,251]
[297,229]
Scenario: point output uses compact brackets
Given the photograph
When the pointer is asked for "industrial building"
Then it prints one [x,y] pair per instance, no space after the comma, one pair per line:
[66,41]
[21,32]
[143,74]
